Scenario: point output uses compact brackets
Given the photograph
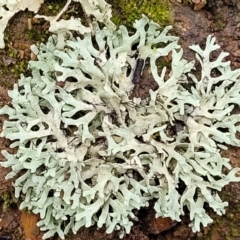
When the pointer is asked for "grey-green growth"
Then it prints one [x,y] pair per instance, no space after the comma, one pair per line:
[91,155]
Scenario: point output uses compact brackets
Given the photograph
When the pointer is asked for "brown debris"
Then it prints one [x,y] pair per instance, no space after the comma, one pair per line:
[8,60]
[29,221]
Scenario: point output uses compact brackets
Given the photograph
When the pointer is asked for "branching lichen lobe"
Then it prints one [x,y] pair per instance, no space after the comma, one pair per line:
[105,165]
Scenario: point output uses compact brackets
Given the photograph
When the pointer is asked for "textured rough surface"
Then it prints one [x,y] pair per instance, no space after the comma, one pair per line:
[88,150]
[227,230]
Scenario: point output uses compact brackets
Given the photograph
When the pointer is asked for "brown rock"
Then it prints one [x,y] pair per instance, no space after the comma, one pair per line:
[158,225]
[161,237]
[8,220]
[170,236]
[216,235]
[182,231]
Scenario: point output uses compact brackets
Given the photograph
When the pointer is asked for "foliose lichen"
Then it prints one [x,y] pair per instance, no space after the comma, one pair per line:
[89,154]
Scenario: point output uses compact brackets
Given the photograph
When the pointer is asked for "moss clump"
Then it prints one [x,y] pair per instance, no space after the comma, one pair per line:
[218,22]
[52,7]
[126,12]
[36,35]
[14,68]
[20,67]
[7,199]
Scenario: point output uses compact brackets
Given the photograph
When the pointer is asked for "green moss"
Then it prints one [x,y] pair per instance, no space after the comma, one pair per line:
[218,22]
[219,25]
[126,12]
[20,67]
[35,35]
[161,63]
[53,7]
[235,232]
[13,69]
[7,200]
[6,84]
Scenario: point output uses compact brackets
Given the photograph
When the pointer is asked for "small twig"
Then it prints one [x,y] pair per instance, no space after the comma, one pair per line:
[63,10]
[138,70]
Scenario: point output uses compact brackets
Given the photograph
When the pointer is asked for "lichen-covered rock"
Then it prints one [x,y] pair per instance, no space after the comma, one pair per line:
[89,154]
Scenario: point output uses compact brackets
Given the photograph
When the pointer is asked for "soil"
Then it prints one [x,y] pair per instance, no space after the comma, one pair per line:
[220,18]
